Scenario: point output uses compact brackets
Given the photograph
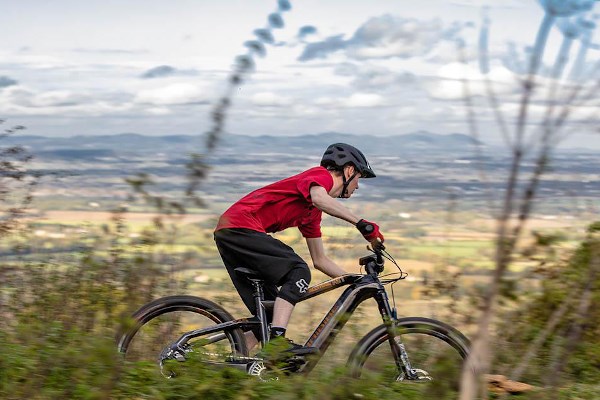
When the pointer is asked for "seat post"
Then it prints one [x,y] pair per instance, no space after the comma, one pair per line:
[261,313]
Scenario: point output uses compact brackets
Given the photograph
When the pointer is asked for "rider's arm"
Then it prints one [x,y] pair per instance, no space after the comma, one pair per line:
[320,260]
[324,202]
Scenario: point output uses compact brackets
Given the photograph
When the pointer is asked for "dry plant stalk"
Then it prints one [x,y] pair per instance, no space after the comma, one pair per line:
[517,205]
[197,167]
[16,183]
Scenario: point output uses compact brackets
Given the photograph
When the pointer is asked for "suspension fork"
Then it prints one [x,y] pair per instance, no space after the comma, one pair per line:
[395,340]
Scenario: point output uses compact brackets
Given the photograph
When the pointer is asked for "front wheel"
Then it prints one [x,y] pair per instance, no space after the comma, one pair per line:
[161,322]
[434,350]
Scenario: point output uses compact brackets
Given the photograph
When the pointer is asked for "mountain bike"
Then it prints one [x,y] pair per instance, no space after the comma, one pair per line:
[407,349]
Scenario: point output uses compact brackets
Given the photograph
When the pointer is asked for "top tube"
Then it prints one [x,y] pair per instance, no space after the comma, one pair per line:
[329,285]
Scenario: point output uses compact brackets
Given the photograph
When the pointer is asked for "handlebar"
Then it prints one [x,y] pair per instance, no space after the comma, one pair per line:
[373,263]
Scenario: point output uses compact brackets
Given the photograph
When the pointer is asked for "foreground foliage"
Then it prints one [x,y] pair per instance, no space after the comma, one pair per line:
[58,325]
[552,337]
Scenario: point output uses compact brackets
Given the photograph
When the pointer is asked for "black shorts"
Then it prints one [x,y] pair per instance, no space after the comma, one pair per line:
[269,257]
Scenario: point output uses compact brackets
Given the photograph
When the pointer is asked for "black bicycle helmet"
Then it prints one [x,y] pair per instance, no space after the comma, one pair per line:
[340,154]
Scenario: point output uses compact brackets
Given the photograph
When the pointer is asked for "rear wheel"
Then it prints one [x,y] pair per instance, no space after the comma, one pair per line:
[435,350]
[161,322]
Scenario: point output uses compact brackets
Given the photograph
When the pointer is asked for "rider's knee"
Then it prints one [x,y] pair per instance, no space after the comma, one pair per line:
[295,283]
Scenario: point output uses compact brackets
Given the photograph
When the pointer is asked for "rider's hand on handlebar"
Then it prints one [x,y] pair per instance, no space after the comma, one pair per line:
[370,232]
[377,244]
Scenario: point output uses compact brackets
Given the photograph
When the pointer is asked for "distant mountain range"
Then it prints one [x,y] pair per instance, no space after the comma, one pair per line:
[419,166]
[86,147]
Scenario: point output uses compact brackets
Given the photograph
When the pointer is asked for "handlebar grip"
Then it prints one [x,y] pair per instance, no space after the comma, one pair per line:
[378,247]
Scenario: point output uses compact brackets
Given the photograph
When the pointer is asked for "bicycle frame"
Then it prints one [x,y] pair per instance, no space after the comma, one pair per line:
[361,288]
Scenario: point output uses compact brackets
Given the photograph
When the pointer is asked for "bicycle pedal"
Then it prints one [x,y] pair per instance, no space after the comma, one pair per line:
[288,365]
[296,360]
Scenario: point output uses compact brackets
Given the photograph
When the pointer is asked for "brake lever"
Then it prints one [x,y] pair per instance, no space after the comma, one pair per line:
[377,249]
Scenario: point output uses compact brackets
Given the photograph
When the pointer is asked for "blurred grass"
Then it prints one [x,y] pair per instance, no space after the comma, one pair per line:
[60,311]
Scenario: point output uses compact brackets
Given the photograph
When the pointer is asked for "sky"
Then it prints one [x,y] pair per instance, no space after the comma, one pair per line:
[380,67]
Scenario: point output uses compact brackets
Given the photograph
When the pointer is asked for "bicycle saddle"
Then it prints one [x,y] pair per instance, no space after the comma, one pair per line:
[249,273]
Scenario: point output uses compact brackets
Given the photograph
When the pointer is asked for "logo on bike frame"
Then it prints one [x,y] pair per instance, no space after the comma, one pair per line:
[302,285]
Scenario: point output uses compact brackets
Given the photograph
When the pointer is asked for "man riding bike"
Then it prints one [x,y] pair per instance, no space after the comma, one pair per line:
[242,236]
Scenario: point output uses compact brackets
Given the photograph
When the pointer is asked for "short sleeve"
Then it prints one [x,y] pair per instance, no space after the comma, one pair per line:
[318,176]
[311,227]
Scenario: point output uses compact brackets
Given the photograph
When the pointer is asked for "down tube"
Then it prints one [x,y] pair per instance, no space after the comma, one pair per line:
[337,317]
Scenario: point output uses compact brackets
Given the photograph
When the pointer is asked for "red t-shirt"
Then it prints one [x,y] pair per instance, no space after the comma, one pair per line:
[280,205]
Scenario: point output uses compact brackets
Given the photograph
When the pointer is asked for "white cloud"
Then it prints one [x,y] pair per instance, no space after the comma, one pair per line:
[25,101]
[449,84]
[536,113]
[370,76]
[19,97]
[584,113]
[269,99]
[58,98]
[325,101]
[391,36]
[387,36]
[447,52]
[488,3]
[173,94]
[457,70]
[360,100]
[158,111]
[356,100]
[306,111]
[406,112]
